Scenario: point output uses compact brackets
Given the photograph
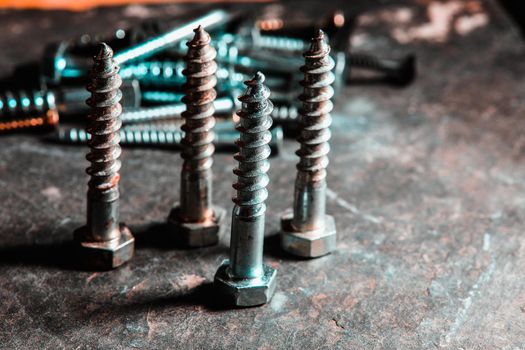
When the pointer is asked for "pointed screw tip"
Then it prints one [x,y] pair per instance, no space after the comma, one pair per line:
[105,51]
[259,77]
[200,34]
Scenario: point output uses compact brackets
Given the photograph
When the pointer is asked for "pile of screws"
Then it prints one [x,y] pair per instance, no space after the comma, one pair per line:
[243,279]
[152,59]
[172,86]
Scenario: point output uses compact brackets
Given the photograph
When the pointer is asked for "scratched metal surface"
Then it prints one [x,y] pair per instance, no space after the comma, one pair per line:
[426,186]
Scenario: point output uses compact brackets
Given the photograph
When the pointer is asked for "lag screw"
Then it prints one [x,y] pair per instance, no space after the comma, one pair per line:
[104,243]
[196,221]
[161,136]
[307,231]
[244,279]
[31,109]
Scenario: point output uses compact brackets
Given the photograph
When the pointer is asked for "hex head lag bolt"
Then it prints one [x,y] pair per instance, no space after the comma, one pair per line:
[244,280]
[104,243]
[195,220]
[307,231]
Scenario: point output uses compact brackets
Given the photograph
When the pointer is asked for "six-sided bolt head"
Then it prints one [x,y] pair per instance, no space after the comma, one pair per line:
[195,235]
[105,255]
[309,244]
[246,292]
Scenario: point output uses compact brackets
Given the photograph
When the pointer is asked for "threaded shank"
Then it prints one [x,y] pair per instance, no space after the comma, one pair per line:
[315,111]
[25,103]
[103,125]
[200,93]
[254,125]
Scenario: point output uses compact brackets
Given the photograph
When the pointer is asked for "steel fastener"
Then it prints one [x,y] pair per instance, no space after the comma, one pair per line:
[170,111]
[244,279]
[158,136]
[59,63]
[29,109]
[308,231]
[195,220]
[104,242]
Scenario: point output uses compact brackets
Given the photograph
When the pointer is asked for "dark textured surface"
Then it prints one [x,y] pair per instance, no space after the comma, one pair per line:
[426,186]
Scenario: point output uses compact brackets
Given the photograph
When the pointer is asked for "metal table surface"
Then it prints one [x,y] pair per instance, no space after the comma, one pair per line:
[426,186]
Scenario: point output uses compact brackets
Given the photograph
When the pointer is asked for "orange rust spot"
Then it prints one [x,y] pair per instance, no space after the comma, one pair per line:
[208,218]
[115,180]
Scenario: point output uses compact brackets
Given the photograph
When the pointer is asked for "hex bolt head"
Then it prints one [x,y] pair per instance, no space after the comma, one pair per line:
[246,292]
[308,244]
[195,235]
[105,255]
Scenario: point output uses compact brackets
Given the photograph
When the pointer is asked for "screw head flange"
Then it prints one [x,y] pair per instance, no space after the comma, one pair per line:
[196,235]
[105,255]
[248,291]
[308,244]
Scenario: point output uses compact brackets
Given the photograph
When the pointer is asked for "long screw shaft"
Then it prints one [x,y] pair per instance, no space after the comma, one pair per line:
[168,137]
[246,249]
[310,184]
[103,125]
[197,152]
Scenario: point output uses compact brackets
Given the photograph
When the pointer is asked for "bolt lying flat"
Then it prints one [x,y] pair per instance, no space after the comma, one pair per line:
[104,242]
[168,137]
[244,279]
[196,221]
[308,231]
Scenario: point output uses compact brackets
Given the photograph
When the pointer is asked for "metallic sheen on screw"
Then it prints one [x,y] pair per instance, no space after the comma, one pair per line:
[104,124]
[105,242]
[197,152]
[249,211]
[310,184]
[244,279]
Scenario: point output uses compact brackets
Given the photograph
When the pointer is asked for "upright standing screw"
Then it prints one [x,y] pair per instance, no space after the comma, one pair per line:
[308,231]
[105,243]
[196,220]
[244,279]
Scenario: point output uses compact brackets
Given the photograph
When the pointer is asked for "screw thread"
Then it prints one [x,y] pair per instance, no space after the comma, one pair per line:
[315,111]
[103,125]
[158,72]
[200,94]
[364,61]
[279,43]
[254,125]
[25,103]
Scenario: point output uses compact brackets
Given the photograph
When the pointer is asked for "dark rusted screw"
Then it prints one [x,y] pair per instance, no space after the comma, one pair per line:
[308,231]
[104,242]
[244,279]
[196,221]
